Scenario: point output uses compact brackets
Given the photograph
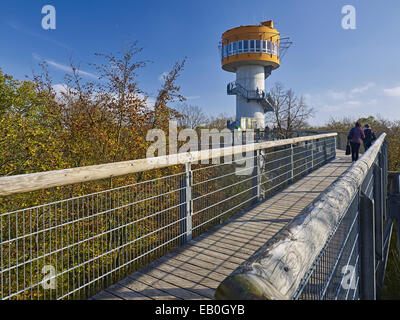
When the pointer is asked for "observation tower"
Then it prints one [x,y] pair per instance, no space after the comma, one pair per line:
[252,52]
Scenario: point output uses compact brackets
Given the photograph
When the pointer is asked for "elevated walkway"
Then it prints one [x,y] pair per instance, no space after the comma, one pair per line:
[195,270]
[283,221]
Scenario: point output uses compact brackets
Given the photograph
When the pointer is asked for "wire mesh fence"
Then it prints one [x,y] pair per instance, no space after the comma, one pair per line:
[74,248]
[337,273]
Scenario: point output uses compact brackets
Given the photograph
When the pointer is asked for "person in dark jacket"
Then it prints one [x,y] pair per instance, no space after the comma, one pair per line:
[355,137]
[369,137]
[266,133]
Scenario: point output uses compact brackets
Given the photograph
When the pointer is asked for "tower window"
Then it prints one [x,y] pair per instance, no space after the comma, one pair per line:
[269,46]
[264,46]
[251,45]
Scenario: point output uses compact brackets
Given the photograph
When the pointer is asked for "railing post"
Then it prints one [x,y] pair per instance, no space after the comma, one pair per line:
[182,210]
[255,182]
[334,148]
[394,202]
[379,241]
[258,167]
[378,199]
[367,248]
[337,143]
[394,195]
[185,209]
[312,154]
[325,152]
[383,165]
[189,204]
[291,162]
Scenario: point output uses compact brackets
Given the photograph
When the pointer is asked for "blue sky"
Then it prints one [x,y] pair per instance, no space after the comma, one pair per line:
[340,72]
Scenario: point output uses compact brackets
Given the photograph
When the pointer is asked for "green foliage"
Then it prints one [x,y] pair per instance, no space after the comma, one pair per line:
[28,135]
[91,122]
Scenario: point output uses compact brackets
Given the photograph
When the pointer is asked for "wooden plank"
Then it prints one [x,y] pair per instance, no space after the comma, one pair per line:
[195,269]
[262,224]
[295,199]
[277,210]
[104,295]
[205,264]
[219,255]
[263,233]
[125,293]
[239,251]
[185,274]
[255,237]
[145,290]
[241,238]
[232,251]
[258,235]
[183,283]
[258,223]
[217,236]
[245,229]
[274,208]
[206,258]
[288,206]
[232,240]
[236,239]
[173,290]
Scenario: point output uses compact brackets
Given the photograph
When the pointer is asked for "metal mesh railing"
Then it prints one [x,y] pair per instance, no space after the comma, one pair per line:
[76,247]
[338,272]
[87,242]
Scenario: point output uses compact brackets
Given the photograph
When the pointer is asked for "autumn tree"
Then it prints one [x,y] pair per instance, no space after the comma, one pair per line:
[290,112]
[167,94]
[191,116]
[219,122]
[91,121]
[28,133]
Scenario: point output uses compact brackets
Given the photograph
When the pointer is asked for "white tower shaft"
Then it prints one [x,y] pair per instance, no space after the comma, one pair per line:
[252,78]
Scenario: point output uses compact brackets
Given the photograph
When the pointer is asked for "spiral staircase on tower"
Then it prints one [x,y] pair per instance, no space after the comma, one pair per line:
[260,96]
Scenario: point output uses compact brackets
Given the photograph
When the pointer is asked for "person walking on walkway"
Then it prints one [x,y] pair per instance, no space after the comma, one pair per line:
[355,137]
[266,133]
[369,137]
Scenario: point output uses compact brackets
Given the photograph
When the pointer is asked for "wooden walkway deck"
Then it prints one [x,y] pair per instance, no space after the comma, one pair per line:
[196,269]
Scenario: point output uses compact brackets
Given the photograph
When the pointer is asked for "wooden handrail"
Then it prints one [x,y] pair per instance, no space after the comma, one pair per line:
[277,268]
[41,180]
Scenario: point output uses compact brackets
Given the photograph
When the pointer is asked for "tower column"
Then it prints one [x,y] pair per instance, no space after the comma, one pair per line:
[250,77]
